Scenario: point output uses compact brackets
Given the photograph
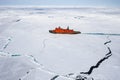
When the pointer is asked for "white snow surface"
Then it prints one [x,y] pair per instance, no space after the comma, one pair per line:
[29,52]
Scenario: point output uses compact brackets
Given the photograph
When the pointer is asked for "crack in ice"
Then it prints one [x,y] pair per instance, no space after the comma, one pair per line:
[101,60]
[54,77]
[44,45]
[18,20]
[33,59]
[6,45]
[81,76]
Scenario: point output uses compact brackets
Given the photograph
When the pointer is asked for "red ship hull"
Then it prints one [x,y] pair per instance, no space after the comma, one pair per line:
[74,32]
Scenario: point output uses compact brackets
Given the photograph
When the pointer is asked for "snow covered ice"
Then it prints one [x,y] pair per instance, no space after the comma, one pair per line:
[29,52]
